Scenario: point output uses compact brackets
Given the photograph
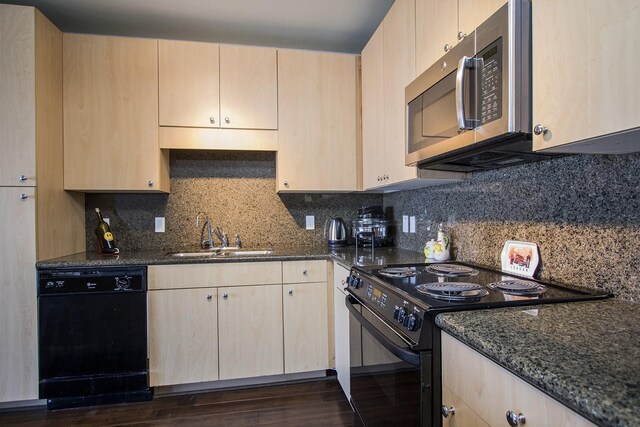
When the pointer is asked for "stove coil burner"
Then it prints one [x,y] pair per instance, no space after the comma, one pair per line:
[451,270]
[460,291]
[518,287]
[399,272]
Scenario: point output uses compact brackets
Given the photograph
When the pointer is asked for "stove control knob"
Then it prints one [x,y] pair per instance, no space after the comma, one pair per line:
[412,322]
[348,280]
[357,283]
[400,314]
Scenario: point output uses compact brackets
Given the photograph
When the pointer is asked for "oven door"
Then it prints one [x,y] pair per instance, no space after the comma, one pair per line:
[387,377]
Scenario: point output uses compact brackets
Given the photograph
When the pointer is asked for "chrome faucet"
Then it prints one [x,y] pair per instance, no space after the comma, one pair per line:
[208,243]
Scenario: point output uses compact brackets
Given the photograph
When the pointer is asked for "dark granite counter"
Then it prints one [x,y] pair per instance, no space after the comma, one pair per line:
[586,355]
[346,256]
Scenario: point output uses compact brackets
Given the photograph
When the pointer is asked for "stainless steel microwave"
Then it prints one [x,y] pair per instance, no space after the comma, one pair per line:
[471,110]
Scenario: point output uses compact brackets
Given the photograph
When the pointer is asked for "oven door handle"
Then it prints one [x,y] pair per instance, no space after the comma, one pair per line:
[403,353]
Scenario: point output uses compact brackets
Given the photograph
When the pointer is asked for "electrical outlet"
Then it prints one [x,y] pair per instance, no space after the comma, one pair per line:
[405,223]
[412,224]
[159,224]
[310,222]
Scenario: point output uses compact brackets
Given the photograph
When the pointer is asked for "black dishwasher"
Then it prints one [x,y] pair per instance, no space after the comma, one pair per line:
[92,336]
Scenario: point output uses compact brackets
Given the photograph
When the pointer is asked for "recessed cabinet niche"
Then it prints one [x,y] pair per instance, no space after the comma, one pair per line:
[209,92]
[111,115]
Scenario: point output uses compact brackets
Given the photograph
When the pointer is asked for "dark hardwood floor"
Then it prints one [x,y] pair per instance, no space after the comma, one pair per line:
[312,403]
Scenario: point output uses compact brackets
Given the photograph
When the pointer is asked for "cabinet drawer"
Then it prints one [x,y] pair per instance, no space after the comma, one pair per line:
[490,390]
[213,275]
[304,271]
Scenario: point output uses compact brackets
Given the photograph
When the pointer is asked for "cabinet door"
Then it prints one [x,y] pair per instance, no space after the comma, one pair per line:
[436,26]
[306,334]
[317,123]
[183,336]
[248,87]
[189,84]
[250,331]
[399,69]
[18,311]
[373,120]
[585,61]
[472,13]
[18,103]
[341,322]
[111,115]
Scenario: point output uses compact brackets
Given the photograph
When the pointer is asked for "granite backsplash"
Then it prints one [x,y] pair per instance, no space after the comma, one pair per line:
[583,212]
[238,191]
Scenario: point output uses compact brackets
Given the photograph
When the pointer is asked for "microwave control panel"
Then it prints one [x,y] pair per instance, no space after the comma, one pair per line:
[490,96]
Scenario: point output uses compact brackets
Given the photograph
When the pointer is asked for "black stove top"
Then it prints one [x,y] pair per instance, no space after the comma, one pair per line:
[408,296]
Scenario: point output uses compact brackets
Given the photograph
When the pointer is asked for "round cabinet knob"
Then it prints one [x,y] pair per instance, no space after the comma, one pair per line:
[227,120]
[540,130]
[461,35]
[209,297]
[22,178]
[305,272]
[443,66]
[212,120]
[24,196]
[150,183]
[386,177]
[225,296]
[286,183]
[290,291]
[515,419]
[447,410]
[447,47]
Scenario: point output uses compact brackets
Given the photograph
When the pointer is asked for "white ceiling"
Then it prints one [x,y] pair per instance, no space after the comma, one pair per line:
[331,25]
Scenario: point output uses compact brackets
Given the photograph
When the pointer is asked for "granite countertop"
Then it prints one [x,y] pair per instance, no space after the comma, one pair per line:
[345,256]
[584,354]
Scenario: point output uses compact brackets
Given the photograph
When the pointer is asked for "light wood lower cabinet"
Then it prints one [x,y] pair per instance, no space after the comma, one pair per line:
[250,331]
[183,336]
[341,322]
[489,391]
[306,331]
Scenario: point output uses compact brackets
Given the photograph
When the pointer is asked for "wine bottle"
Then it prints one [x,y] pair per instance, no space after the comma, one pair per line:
[106,241]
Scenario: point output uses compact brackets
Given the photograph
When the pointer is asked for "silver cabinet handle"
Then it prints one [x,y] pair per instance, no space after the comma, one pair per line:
[227,120]
[461,35]
[515,419]
[540,130]
[225,296]
[447,410]
[24,196]
[209,297]
[150,183]
[212,120]
[447,47]
[290,291]
[22,178]
[305,272]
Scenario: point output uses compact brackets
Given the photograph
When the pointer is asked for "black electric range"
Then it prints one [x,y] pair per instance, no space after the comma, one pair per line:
[399,377]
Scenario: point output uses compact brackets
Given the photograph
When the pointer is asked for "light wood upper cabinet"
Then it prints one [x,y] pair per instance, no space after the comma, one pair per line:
[317,130]
[18,103]
[373,121]
[183,336]
[250,331]
[217,86]
[306,334]
[489,391]
[585,61]
[248,87]
[189,84]
[436,27]
[441,24]
[111,115]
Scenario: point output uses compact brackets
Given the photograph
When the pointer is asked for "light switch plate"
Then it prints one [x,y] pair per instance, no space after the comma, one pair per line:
[412,224]
[311,222]
[405,223]
[159,224]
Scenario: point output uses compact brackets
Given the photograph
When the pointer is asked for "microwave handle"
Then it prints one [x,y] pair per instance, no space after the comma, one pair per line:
[462,120]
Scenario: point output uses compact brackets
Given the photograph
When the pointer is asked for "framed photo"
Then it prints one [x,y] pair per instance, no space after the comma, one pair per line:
[521,258]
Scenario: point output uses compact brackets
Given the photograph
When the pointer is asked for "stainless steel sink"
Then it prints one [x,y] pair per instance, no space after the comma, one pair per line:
[200,254]
[221,252]
[250,252]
